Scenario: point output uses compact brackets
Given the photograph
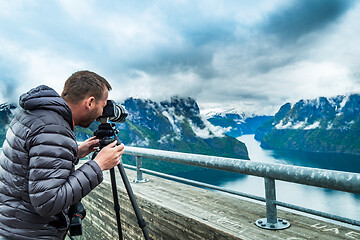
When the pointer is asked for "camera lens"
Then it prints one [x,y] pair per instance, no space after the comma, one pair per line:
[113,112]
[120,114]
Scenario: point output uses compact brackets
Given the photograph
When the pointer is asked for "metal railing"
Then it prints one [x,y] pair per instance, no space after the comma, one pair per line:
[329,179]
[335,180]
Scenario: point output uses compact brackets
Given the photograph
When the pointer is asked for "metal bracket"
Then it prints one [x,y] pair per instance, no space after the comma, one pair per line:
[281,224]
[145,180]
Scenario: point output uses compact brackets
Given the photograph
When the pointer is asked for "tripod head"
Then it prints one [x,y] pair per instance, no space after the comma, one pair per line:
[106,132]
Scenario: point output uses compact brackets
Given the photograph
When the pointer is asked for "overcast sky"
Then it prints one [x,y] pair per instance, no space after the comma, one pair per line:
[255,55]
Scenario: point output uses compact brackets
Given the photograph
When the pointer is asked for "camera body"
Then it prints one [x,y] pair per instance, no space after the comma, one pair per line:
[113,112]
[76,214]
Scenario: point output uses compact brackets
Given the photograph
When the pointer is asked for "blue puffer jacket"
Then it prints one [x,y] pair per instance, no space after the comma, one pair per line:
[38,181]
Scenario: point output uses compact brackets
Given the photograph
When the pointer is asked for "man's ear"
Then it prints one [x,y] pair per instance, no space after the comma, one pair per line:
[90,102]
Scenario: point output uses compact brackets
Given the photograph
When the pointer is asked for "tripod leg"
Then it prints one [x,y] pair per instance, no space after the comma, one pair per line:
[116,201]
[141,221]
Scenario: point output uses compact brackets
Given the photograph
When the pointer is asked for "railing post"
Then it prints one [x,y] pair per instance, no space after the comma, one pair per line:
[271,221]
[139,177]
[270,195]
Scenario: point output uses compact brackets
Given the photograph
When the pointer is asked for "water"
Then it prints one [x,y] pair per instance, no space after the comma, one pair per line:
[330,201]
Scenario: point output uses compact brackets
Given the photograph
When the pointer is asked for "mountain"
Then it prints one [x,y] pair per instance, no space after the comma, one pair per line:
[236,124]
[317,125]
[173,125]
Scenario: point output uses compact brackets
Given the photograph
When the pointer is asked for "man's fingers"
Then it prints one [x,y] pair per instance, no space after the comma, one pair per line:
[112,144]
[120,147]
[90,139]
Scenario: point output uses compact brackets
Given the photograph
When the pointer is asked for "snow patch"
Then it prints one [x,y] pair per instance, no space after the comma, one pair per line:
[223,113]
[163,139]
[172,121]
[281,125]
[313,126]
[330,126]
[140,142]
[343,102]
[299,125]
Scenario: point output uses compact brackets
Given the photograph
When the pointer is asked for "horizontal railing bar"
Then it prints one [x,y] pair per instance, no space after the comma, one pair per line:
[336,180]
[254,197]
[196,183]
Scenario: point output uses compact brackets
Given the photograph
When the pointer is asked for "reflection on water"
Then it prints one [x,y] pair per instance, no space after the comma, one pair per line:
[330,201]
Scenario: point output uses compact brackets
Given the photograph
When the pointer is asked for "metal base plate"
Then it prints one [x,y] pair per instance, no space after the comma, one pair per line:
[141,181]
[281,224]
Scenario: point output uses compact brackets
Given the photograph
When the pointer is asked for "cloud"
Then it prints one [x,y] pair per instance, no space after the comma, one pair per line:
[300,18]
[256,55]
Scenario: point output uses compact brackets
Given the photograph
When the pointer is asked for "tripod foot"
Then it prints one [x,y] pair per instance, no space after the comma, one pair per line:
[144,180]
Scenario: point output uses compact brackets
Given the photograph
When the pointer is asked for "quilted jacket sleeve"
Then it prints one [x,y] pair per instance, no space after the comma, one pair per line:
[53,184]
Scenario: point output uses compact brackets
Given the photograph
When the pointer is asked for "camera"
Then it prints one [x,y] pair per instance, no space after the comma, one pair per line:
[113,112]
[76,214]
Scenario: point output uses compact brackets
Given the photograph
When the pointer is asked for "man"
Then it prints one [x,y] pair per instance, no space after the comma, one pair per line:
[38,181]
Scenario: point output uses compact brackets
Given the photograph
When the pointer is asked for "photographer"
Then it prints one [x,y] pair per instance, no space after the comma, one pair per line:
[38,180]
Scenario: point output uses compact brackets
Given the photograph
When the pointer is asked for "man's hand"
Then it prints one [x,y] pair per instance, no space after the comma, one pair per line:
[87,147]
[109,156]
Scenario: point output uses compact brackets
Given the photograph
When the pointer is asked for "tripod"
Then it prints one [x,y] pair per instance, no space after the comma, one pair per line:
[105,132]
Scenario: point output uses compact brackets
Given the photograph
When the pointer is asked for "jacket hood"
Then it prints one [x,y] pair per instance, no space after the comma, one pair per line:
[46,98]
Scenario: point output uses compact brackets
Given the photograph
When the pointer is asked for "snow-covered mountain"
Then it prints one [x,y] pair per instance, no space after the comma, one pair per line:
[224,113]
[317,125]
[174,125]
[236,123]
[339,112]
